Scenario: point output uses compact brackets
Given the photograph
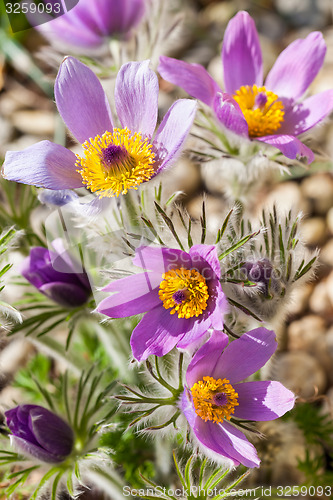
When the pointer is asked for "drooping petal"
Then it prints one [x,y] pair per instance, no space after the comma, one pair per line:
[263,400]
[241,54]
[226,441]
[289,145]
[307,114]
[160,260]
[199,327]
[81,100]
[206,358]
[244,356]
[296,67]
[113,17]
[173,131]
[193,78]
[44,164]
[57,198]
[219,309]
[135,294]
[157,333]
[228,112]
[136,96]
[70,31]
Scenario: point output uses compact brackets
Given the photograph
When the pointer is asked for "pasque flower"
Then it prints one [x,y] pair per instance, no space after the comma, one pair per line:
[57,275]
[181,292]
[114,159]
[214,394]
[91,22]
[40,433]
[272,112]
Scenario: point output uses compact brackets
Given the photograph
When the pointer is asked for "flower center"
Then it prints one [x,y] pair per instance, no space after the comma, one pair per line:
[116,162]
[214,399]
[185,291]
[261,108]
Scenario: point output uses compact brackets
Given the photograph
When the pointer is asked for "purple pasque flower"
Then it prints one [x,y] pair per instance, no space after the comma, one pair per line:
[181,293]
[214,393]
[57,275]
[114,160]
[91,22]
[270,113]
[40,433]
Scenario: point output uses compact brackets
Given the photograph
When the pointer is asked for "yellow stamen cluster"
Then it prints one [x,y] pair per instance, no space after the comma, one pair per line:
[128,171]
[203,393]
[193,288]
[261,120]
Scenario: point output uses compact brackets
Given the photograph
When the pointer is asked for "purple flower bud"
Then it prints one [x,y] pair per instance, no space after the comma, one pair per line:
[259,271]
[57,275]
[40,433]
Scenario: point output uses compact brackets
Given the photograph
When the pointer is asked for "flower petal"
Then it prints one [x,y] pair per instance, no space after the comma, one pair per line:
[51,432]
[244,356]
[173,131]
[157,333]
[289,145]
[44,164]
[161,259]
[225,440]
[65,294]
[207,254]
[136,96]
[193,78]
[206,358]
[307,114]
[263,400]
[34,450]
[241,53]
[135,294]
[297,66]
[81,100]
[228,112]
[70,30]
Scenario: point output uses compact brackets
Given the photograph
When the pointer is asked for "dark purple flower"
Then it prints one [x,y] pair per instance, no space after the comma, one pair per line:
[274,113]
[91,22]
[214,394]
[181,292]
[57,275]
[40,433]
[113,160]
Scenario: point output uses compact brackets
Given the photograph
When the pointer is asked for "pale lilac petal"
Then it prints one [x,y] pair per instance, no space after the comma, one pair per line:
[228,112]
[81,100]
[186,405]
[206,358]
[44,164]
[289,145]
[70,31]
[241,54]
[193,78]
[296,67]
[227,441]
[161,259]
[263,400]
[135,294]
[244,356]
[221,307]
[136,96]
[157,333]
[173,131]
[307,114]
[206,254]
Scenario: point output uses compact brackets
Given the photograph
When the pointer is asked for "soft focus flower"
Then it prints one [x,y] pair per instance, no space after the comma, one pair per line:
[271,113]
[214,394]
[181,292]
[91,22]
[114,159]
[40,433]
[57,275]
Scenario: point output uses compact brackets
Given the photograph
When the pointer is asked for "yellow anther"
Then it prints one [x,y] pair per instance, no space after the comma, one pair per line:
[214,399]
